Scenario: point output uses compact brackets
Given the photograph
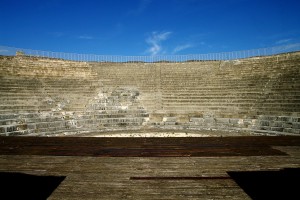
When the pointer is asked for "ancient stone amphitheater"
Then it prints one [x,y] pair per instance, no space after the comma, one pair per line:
[43,96]
[130,108]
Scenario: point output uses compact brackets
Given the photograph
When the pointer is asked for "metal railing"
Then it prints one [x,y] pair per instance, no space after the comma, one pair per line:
[234,55]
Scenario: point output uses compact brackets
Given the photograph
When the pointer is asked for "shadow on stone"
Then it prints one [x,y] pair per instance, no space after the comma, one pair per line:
[25,186]
[282,184]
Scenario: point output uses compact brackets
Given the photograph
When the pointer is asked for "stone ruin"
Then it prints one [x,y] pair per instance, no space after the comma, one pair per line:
[42,96]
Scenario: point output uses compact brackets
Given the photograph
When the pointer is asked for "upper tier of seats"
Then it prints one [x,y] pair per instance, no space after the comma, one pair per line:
[239,88]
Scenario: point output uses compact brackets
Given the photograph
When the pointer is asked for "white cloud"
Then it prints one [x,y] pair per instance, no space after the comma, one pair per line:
[85,37]
[155,39]
[182,47]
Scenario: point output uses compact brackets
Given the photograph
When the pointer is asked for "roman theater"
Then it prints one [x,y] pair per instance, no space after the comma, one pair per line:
[152,127]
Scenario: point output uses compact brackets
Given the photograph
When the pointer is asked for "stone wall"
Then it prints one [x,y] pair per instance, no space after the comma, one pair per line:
[41,96]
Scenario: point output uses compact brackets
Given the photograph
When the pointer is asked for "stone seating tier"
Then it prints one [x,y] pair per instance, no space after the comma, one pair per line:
[41,96]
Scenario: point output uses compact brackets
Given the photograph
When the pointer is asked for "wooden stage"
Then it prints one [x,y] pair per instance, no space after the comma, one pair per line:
[153,168]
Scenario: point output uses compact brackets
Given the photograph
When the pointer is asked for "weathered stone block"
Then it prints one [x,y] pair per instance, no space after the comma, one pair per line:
[296,131]
[264,123]
[288,130]
[279,129]
[222,120]
[11,128]
[209,120]
[287,125]
[295,119]
[276,124]
[267,128]
[31,126]
[42,125]
[234,121]
[169,119]
[2,129]
[170,123]
[296,125]
[267,118]
[21,127]
[283,118]
[247,122]
[196,119]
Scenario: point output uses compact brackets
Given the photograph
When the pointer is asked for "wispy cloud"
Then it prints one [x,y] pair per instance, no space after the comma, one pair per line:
[85,37]
[155,39]
[283,41]
[182,47]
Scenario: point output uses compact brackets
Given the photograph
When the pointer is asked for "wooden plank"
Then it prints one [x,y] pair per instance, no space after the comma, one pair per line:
[110,177]
[145,147]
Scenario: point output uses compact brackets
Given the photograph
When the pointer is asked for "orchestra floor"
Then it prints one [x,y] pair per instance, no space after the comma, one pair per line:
[244,167]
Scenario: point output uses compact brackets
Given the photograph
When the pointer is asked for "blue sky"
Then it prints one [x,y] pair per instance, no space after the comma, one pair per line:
[148,27]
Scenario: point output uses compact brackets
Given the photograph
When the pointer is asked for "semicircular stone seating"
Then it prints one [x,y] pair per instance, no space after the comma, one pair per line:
[43,96]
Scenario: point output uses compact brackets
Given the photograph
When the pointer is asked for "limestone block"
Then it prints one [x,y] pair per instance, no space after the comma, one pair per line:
[209,120]
[295,119]
[9,122]
[283,118]
[248,122]
[237,123]
[222,120]
[288,130]
[254,122]
[267,118]
[11,128]
[71,124]
[170,123]
[288,125]
[264,123]
[31,126]
[89,121]
[234,121]
[21,127]
[267,128]
[296,131]
[197,120]
[276,123]
[279,129]
[8,116]
[57,124]
[2,129]
[42,125]
[296,125]
[169,119]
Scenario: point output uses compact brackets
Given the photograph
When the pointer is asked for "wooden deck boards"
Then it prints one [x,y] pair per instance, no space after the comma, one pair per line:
[197,171]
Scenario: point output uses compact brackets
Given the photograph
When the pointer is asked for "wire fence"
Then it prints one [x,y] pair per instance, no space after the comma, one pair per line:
[234,55]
